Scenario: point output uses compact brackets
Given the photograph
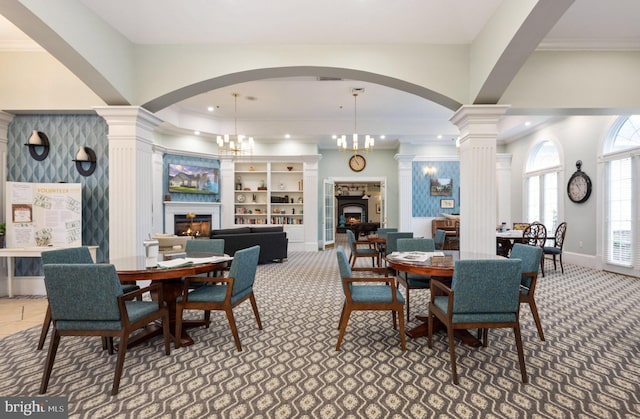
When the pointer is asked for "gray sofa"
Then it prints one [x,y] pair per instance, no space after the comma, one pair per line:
[272,240]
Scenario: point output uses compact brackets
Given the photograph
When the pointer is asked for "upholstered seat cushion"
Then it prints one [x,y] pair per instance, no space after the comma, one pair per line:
[135,309]
[367,251]
[215,293]
[418,281]
[374,294]
[552,250]
[442,303]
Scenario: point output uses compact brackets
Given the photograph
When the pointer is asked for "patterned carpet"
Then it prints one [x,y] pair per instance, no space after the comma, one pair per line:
[589,365]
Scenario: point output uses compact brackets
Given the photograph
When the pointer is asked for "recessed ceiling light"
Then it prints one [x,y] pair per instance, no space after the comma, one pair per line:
[196,132]
[382,137]
[440,137]
[287,136]
[526,124]
[210,108]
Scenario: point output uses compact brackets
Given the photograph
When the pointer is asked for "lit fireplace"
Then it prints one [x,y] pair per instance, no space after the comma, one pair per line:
[199,226]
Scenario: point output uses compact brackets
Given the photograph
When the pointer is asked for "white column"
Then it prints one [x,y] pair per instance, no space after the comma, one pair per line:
[478,126]
[503,168]
[311,194]
[227,185]
[5,120]
[157,220]
[130,182]
[405,190]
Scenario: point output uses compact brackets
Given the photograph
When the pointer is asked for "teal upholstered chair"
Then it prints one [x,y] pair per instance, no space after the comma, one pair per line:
[382,232]
[361,294]
[483,295]
[232,291]
[360,252]
[392,240]
[204,248]
[440,238]
[530,258]
[413,281]
[69,255]
[87,300]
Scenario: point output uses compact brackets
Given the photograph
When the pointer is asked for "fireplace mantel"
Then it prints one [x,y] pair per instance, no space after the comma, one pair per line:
[171,208]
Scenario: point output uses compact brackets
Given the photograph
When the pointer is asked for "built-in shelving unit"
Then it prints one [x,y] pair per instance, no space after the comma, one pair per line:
[269,193]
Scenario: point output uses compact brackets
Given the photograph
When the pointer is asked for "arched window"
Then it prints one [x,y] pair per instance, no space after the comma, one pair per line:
[541,185]
[620,155]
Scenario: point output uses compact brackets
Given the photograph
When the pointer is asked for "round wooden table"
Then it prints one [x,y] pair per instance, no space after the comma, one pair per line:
[171,282]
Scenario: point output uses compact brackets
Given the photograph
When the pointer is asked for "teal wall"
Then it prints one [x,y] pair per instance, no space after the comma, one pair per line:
[66,133]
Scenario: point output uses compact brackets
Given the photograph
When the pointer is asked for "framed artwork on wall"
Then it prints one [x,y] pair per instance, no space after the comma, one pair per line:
[441,186]
[447,203]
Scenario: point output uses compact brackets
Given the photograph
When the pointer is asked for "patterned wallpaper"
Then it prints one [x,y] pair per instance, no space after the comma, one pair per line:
[425,205]
[66,133]
[192,161]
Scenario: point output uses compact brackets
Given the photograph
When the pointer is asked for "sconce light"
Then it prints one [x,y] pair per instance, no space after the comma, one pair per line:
[85,161]
[429,170]
[38,142]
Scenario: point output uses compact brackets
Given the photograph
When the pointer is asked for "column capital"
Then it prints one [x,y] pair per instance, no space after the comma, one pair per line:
[478,120]
[129,121]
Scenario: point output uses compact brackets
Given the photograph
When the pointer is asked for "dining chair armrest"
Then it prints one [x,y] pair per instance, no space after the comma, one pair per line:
[153,287]
[438,288]
[391,281]
[213,280]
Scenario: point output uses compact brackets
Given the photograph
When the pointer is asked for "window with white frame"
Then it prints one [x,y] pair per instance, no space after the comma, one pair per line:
[541,185]
[620,148]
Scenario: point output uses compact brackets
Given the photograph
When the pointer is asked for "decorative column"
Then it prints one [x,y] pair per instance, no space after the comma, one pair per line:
[478,126]
[130,182]
[157,221]
[503,168]
[405,191]
[227,185]
[311,193]
[5,120]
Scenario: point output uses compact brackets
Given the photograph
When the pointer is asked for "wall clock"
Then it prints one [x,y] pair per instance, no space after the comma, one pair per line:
[579,186]
[357,163]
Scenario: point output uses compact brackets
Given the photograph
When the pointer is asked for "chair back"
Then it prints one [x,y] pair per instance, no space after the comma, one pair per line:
[213,246]
[243,269]
[83,293]
[535,234]
[439,238]
[561,231]
[382,232]
[345,269]
[486,286]
[68,255]
[530,258]
[351,239]
[392,240]
[415,245]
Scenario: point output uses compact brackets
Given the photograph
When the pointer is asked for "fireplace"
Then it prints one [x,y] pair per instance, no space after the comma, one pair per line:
[173,209]
[199,226]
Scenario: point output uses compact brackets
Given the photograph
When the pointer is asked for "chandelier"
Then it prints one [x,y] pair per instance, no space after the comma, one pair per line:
[368,140]
[236,144]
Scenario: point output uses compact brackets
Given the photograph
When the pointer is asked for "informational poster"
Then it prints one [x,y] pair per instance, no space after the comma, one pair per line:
[43,214]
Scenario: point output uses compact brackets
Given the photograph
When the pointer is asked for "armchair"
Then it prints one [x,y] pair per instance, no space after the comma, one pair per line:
[440,238]
[529,256]
[413,281]
[232,291]
[87,300]
[360,296]
[360,252]
[483,295]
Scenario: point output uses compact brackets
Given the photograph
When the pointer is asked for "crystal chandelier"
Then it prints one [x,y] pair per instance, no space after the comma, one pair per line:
[368,140]
[237,144]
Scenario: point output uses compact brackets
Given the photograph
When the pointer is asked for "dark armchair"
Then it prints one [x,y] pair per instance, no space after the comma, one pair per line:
[483,295]
[558,243]
[87,300]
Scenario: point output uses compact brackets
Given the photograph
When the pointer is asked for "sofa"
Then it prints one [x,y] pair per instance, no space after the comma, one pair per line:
[272,240]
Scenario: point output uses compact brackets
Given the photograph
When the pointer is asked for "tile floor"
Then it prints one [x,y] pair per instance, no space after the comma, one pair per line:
[20,313]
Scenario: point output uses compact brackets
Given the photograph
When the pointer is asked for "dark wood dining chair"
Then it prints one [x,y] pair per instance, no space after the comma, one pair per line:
[535,235]
[558,243]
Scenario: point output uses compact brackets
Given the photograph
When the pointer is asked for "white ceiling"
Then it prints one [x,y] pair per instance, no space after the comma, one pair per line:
[315,109]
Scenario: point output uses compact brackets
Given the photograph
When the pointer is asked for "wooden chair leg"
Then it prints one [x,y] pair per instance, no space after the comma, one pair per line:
[430,331]
[561,265]
[403,340]
[523,368]
[254,305]
[48,365]
[452,355]
[45,327]
[343,325]
[234,329]
[344,305]
[166,334]
[122,350]
[178,339]
[207,318]
[536,317]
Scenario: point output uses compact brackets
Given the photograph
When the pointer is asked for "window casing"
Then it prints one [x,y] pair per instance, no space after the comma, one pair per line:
[541,185]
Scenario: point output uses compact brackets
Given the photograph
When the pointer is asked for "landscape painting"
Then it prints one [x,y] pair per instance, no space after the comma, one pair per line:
[194,179]
[441,187]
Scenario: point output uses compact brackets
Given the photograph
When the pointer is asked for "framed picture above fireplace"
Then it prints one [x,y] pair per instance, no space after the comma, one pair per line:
[194,179]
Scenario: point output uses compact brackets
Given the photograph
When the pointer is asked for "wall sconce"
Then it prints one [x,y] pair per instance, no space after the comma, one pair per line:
[429,170]
[85,161]
[38,141]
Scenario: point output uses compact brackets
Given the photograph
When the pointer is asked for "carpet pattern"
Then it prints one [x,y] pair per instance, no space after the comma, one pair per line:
[589,366]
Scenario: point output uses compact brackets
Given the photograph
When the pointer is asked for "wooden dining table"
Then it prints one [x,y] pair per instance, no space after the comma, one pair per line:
[440,268]
[171,283]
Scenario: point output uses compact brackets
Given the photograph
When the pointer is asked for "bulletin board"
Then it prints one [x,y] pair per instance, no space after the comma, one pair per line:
[43,214]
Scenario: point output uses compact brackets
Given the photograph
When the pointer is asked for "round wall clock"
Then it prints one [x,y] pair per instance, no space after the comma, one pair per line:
[357,163]
[579,186]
